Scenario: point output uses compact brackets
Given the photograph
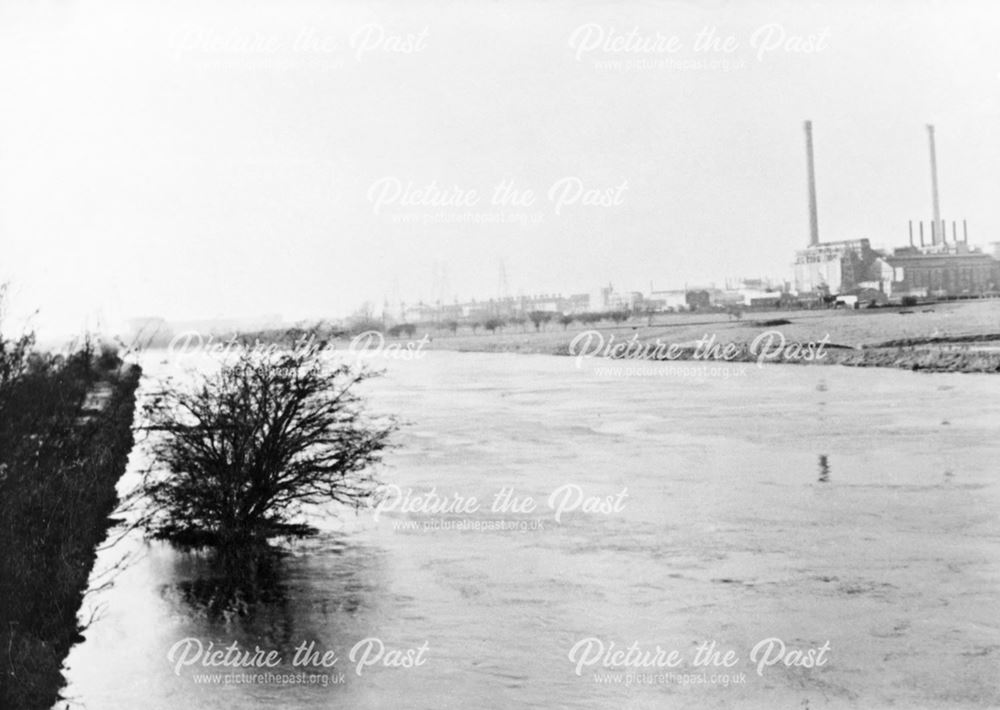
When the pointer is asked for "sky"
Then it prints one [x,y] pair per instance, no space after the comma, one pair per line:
[227,158]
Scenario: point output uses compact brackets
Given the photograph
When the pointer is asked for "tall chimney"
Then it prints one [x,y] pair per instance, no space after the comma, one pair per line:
[965,231]
[911,232]
[921,232]
[938,236]
[813,216]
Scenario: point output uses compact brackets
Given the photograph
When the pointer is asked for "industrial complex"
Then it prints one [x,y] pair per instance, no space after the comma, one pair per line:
[937,263]
[933,265]
[854,272]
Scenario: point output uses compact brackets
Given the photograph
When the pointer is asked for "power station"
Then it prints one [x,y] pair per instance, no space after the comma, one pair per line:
[853,268]
[931,266]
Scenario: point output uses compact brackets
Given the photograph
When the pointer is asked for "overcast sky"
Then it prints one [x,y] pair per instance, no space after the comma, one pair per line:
[231,158]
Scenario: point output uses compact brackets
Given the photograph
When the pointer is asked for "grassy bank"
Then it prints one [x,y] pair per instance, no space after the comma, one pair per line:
[65,436]
[948,337]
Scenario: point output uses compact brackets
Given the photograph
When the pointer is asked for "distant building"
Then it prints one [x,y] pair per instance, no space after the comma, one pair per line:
[601,300]
[506,307]
[421,313]
[547,303]
[853,268]
[727,298]
[576,303]
[941,270]
[624,301]
[764,299]
[959,271]
[835,267]
[670,300]
[698,300]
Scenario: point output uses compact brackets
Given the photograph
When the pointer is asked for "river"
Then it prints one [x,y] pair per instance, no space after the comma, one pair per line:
[851,509]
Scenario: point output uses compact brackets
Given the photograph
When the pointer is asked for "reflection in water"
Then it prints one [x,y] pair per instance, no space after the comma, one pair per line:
[824,469]
[318,588]
[218,586]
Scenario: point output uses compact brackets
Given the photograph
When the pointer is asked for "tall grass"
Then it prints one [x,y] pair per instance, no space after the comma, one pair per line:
[58,469]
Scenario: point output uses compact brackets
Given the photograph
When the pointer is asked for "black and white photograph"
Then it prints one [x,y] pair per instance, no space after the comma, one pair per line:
[556,354]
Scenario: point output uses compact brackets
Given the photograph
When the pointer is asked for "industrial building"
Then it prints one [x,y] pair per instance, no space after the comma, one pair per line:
[837,267]
[853,267]
[953,273]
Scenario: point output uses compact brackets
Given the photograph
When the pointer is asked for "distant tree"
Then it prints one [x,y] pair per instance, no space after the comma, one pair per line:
[619,316]
[452,326]
[475,326]
[566,319]
[492,324]
[519,320]
[402,329]
[539,318]
[241,452]
[364,326]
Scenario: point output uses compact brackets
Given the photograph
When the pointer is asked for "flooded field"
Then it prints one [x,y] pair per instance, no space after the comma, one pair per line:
[851,510]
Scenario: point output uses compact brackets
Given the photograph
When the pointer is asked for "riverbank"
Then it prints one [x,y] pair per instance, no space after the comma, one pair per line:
[65,437]
[950,337]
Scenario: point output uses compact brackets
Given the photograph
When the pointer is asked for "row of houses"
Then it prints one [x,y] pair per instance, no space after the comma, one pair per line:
[606,299]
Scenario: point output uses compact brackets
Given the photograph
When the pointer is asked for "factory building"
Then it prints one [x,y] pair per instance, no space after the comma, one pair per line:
[833,267]
[837,267]
[853,267]
[958,272]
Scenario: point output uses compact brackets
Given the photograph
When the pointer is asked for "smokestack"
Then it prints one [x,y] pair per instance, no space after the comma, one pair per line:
[813,215]
[954,231]
[911,232]
[937,239]
[921,232]
[965,231]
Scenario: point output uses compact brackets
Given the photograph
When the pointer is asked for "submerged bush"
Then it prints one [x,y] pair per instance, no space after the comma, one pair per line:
[239,454]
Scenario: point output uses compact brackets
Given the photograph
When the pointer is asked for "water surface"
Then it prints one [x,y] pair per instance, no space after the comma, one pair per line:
[813,504]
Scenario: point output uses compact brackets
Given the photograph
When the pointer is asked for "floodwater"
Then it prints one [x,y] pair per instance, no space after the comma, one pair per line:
[852,509]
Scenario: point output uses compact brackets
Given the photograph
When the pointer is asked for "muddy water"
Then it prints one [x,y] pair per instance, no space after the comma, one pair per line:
[855,509]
